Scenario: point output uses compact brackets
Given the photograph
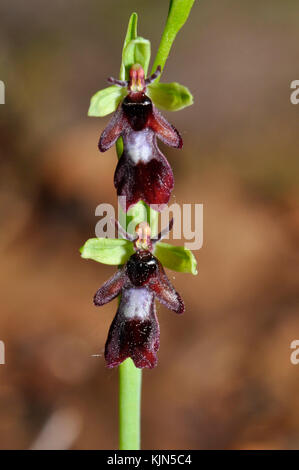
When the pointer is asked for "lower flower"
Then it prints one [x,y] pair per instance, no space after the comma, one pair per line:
[134,331]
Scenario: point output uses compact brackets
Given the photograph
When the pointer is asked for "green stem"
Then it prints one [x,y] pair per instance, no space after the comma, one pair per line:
[129,406]
[130,378]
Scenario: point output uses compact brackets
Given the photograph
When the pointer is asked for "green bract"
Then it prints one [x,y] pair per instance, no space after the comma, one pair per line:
[137,50]
[130,36]
[136,214]
[115,251]
[177,16]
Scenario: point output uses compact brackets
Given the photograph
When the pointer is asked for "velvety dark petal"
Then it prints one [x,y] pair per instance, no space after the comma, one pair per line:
[141,267]
[165,292]
[111,288]
[150,181]
[114,129]
[137,108]
[164,131]
[134,331]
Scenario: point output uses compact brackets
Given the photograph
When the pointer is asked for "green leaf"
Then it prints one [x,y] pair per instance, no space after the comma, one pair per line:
[170,96]
[106,101]
[176,258]
[177,15]
[130,36]
[112,251]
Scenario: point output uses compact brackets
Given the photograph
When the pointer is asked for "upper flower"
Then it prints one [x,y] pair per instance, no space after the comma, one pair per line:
[142,173]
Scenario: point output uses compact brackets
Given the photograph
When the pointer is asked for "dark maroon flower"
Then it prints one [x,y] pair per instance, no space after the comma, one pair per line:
[135,331]
[142,172]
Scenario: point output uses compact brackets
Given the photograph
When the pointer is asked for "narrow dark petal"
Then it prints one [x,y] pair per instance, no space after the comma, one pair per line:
[165,292]
[134,331]
[164,131]
[114,129]
[163,233]
[154,75]
[111,288]
[115,81]
[121,231]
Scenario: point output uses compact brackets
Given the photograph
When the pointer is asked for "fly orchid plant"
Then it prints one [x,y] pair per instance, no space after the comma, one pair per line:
[142,177]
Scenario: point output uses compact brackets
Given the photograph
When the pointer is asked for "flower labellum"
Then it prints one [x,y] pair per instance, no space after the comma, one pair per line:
[143,172]
[135,331]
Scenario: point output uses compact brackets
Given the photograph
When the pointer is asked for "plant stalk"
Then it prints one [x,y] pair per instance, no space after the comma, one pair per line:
[129,405]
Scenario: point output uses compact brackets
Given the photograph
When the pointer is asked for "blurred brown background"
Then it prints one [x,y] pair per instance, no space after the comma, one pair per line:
[224,378]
